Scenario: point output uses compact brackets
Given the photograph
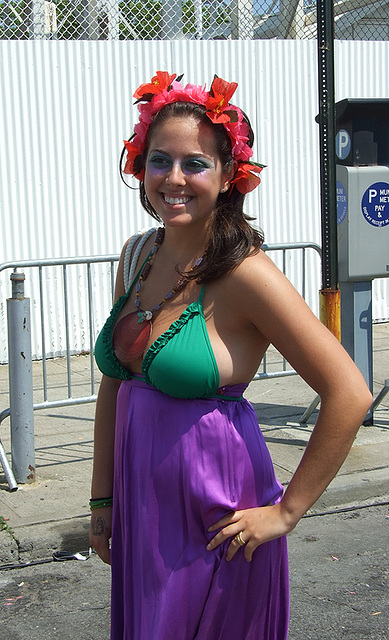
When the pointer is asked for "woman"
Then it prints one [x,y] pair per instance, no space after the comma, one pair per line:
[198,520]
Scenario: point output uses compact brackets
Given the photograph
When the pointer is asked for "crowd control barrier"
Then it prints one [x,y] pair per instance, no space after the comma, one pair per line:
[290,257]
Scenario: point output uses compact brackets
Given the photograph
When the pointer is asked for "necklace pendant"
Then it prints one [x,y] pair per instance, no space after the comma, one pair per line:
[130,337]
[144,316]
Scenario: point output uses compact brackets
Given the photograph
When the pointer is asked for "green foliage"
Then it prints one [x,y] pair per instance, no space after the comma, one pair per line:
[188,17]
[4,526]
[138,20]
[14,19]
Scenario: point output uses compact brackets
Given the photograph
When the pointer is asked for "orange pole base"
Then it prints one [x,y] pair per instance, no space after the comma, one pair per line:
[330,310]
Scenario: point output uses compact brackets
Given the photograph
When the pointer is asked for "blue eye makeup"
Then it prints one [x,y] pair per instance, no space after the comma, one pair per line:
[161,162]
[194,165]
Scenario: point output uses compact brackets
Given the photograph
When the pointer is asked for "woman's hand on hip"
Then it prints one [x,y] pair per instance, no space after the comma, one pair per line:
[249,528]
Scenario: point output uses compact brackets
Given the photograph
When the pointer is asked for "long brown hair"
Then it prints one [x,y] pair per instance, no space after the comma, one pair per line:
[231,237]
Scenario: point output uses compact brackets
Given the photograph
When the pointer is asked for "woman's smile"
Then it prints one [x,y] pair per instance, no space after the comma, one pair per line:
[175,200]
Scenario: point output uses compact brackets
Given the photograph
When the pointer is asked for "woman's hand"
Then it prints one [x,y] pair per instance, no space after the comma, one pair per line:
[100,532]
[257,525]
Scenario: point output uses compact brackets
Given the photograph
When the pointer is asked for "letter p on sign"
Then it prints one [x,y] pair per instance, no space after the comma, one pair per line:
[372,194]
[342,144]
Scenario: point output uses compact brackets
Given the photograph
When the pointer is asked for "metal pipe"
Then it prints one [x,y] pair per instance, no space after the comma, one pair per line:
[41,306]
[67,333]
[67,402]
[275,374]
[53,262]
[303,267]
[381,396]
[325,43]
[330,310]
[113,274]
[7,469]
[308,412]
[20,382]
[91,335]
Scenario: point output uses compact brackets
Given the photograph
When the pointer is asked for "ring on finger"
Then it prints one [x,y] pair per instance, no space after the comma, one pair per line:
[238,538]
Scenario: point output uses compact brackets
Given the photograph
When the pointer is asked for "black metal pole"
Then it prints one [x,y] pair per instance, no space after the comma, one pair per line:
[325,43]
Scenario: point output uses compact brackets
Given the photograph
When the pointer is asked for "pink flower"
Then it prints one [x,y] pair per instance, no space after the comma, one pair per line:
[196,94]
[140,129]
[239,135]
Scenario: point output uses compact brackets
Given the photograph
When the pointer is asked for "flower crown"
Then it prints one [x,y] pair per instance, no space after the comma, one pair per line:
[165,89]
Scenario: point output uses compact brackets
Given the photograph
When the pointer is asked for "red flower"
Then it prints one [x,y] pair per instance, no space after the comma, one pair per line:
[158,83]
[131,161]
[245,179]
[219,96]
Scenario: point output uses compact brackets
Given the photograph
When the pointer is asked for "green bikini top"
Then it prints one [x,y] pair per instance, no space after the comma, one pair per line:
[180,363]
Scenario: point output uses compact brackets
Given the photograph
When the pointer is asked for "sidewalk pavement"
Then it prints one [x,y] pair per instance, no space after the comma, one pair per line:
[52,513]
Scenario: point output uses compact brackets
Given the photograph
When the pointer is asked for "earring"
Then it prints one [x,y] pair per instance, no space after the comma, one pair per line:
[224,189]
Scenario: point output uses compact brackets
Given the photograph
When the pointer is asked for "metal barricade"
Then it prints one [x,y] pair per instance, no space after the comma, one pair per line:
[272,359]
[41,304]
[273,365]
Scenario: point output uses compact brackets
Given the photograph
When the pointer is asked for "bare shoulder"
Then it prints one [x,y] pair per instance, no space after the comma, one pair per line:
[258,279]
[259,294]
[268,297]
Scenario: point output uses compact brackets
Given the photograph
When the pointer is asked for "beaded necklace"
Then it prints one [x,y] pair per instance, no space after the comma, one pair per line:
[133,331]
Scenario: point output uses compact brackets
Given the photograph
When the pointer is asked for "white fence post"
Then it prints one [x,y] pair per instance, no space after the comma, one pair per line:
[20,382]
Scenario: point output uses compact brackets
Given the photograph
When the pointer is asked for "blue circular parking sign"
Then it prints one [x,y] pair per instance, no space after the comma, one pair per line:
[375,204]
[341,201]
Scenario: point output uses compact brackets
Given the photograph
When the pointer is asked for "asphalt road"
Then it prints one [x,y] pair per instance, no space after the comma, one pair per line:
[339,586]
[339,580]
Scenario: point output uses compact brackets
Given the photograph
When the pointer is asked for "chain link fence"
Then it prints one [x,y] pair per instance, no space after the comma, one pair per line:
[187,19]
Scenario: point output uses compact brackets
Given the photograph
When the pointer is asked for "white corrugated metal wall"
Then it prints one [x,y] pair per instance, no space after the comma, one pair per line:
[66,107]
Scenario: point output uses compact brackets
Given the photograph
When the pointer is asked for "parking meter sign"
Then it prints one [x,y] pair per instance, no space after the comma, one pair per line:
[375,204]
[342,144]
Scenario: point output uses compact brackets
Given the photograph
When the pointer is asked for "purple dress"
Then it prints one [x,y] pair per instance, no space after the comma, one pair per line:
[186,454]
[180,465]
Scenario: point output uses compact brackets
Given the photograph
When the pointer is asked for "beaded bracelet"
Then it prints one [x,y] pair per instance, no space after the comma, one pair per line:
[99,503]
